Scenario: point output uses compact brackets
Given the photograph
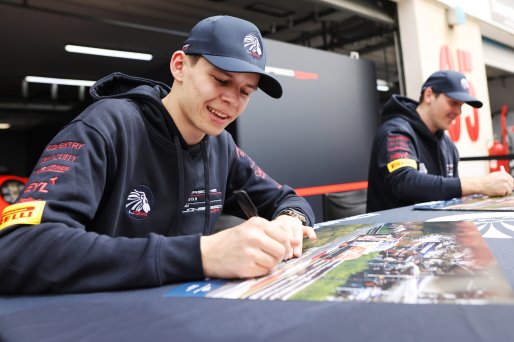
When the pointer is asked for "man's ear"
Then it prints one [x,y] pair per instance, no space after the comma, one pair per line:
[177,65]
[428,94]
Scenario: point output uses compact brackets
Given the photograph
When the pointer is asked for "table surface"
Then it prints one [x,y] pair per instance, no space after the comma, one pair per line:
[147,315]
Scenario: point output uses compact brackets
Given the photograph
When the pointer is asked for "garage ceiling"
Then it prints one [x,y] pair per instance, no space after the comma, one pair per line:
[34,33]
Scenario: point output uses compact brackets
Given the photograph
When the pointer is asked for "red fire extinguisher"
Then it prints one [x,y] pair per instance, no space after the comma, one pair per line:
[498,149]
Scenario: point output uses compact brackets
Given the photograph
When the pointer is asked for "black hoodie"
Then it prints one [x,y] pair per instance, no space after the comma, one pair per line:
[125,200]
[409,164]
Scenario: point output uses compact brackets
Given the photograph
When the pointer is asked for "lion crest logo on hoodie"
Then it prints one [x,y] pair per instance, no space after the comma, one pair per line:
[139,202]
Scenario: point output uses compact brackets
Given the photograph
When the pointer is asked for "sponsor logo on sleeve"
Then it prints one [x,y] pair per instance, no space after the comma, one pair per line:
[58,157]
[398,143]
[73,145]
[42,187]
[423,168]
[449,170]
[22,213]
[53,168]
[399,163]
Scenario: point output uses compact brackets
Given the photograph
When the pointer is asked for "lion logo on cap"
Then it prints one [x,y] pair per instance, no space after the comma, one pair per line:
[252,45]
[464,84]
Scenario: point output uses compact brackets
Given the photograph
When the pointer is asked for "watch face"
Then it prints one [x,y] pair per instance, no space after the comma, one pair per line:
[10,189]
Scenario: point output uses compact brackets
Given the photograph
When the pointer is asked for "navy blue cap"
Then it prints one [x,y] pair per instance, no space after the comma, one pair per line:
[453,84]
[234,45]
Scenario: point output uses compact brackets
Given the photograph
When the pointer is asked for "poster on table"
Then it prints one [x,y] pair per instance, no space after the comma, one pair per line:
[409,262]
[471,203]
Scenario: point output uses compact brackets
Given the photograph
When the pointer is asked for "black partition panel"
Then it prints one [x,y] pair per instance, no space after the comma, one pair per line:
[320,132]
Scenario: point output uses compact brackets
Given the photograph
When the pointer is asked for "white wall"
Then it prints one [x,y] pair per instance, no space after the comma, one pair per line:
[429,44]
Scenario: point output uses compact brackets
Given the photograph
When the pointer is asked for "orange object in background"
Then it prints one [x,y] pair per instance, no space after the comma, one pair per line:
[498,149]
[10,188]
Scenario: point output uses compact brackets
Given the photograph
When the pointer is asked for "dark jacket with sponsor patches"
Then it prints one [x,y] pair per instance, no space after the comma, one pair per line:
[124,200]
[409,164]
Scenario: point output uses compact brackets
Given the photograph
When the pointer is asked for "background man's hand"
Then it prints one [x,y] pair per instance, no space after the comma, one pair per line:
[499,183]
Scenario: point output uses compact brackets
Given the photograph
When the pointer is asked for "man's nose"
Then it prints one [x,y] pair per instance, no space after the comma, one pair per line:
[230,95]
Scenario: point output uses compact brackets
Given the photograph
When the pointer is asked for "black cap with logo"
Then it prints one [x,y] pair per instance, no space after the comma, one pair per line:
[234,45]
[453,84]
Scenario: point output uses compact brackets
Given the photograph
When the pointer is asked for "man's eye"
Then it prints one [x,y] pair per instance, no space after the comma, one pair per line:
[220,81]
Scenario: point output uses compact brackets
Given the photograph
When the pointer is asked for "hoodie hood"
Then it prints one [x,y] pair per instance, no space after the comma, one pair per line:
[401,106]
[118,85]
[149,94]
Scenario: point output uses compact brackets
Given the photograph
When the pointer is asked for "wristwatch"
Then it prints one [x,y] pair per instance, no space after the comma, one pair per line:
[294,213]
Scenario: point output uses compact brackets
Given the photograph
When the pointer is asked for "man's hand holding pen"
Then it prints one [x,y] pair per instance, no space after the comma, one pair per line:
[295,232]
[254,247]
[290,221]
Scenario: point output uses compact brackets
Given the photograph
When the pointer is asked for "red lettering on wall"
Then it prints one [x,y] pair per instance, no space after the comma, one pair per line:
[464,66]
[302,75]
[473,128]
[445,58]
[464,58]
[454,130]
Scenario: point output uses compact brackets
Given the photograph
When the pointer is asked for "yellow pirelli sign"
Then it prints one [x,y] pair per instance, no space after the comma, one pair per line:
[22,213]
[399,163]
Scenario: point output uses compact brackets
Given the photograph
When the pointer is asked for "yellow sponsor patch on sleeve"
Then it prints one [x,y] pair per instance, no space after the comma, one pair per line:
[22,213]
[399,163]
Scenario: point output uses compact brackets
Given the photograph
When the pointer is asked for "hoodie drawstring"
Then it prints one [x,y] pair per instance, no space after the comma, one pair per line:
[207,217]
[181,181]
